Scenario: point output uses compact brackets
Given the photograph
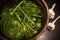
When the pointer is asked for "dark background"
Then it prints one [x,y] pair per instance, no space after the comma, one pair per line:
[52,35]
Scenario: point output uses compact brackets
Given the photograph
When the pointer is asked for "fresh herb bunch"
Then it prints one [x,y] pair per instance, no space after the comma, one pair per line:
[22,21]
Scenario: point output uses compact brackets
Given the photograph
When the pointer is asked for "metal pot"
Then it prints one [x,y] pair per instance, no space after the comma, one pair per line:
[45,20]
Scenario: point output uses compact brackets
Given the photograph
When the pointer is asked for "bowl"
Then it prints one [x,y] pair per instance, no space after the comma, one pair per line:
[45,18]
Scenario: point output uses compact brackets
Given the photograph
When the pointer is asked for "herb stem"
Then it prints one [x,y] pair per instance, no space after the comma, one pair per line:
[16,7]
[38,16]
[27,17]
[22,22]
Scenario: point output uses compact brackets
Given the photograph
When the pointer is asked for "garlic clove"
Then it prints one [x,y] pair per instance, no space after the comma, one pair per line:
[51,26]
[51,14]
